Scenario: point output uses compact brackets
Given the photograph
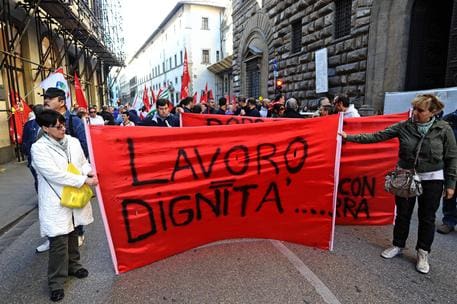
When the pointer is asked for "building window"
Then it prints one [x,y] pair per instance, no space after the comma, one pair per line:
[169,61]
[217,56]
[176,60]
[205,23]
[176,80]
[181,57]
[296,36]
[343,12]
[163,67]
[205,56]
[253,78]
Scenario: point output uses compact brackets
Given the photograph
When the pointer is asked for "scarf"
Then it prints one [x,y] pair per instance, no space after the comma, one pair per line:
[61,145]
[424,127]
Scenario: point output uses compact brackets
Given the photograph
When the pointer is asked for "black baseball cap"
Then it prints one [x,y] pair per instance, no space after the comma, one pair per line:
[54,92]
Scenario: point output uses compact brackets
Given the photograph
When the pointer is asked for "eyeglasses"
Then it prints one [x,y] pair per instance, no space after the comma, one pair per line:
[59,127]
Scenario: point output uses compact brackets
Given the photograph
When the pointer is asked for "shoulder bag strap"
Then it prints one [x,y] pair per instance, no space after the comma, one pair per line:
[52,188]
[419,145]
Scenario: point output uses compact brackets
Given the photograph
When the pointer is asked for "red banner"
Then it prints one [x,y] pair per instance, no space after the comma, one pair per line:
[198,120]
[167,190]
[361,196]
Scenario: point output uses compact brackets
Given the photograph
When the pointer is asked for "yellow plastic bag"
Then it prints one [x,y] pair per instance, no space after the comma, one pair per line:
[73,197]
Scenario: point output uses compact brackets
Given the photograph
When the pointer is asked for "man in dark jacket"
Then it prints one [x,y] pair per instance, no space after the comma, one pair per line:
[107,116]
[251,109]
[450,205]
[29,135]
[292,109]
[162,118]
[222,106]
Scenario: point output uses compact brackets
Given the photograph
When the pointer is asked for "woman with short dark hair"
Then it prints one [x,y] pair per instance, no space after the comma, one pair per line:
[51,155]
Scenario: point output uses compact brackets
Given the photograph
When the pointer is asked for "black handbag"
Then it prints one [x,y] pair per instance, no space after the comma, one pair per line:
[405,182]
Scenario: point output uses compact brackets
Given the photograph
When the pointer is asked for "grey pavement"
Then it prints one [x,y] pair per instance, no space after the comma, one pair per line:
[236,271]
[17,194]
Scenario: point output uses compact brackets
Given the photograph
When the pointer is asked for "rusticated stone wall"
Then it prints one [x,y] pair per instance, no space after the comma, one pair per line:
[347,56]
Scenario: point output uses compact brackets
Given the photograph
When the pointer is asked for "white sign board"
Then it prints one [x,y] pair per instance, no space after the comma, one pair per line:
[397,102]
[321,71]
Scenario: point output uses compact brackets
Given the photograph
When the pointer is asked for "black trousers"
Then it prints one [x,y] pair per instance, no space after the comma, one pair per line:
[428,204]
[63,259]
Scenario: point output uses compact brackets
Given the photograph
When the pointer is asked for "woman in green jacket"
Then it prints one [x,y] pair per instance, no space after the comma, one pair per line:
[436,166]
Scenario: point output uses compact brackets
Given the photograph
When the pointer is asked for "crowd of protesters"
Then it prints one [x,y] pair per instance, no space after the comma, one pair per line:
[126,115]
[167,115]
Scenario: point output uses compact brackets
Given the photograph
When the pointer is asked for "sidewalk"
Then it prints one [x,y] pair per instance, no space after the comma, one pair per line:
[17,194]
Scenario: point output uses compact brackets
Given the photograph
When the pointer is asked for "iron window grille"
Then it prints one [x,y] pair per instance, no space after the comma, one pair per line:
[296,36]
[343,13]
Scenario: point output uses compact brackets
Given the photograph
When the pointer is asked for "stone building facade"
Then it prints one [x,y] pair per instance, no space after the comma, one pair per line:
[373,47]
[37,38]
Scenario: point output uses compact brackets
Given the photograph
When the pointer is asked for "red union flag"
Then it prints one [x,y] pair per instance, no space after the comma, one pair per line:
[185,81]
[167,196]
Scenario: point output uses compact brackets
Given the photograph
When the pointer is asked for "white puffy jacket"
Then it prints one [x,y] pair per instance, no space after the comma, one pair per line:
[51,163]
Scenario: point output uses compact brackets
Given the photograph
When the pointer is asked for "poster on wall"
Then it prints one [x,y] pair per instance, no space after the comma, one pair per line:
[321,71]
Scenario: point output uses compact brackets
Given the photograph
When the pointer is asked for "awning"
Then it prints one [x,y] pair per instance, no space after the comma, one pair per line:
[222,66]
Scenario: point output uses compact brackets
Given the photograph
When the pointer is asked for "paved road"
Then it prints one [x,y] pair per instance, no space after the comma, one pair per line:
[239,271]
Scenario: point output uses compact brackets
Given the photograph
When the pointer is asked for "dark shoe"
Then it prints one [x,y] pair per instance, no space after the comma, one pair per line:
[57,295]
[444,229]
[80,273]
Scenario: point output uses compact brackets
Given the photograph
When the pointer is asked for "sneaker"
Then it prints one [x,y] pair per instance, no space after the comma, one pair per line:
[391,252]
[422,261]
[444,229]
[80,240]
[43,247]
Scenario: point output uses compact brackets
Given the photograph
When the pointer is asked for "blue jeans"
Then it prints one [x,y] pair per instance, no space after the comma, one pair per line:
[450,211]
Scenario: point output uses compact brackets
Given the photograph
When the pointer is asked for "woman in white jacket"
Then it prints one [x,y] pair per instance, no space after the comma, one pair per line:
[51,155]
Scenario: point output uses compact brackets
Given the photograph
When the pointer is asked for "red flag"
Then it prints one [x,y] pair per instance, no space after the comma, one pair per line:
[153,96]
[185,80]
[146,99]
[195,98]
[204,97]
[19,116]
[80,99]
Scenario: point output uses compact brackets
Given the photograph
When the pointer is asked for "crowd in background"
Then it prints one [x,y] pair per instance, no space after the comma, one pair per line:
[166,115]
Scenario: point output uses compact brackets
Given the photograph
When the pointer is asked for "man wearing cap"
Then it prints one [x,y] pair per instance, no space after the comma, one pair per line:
[54,99]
